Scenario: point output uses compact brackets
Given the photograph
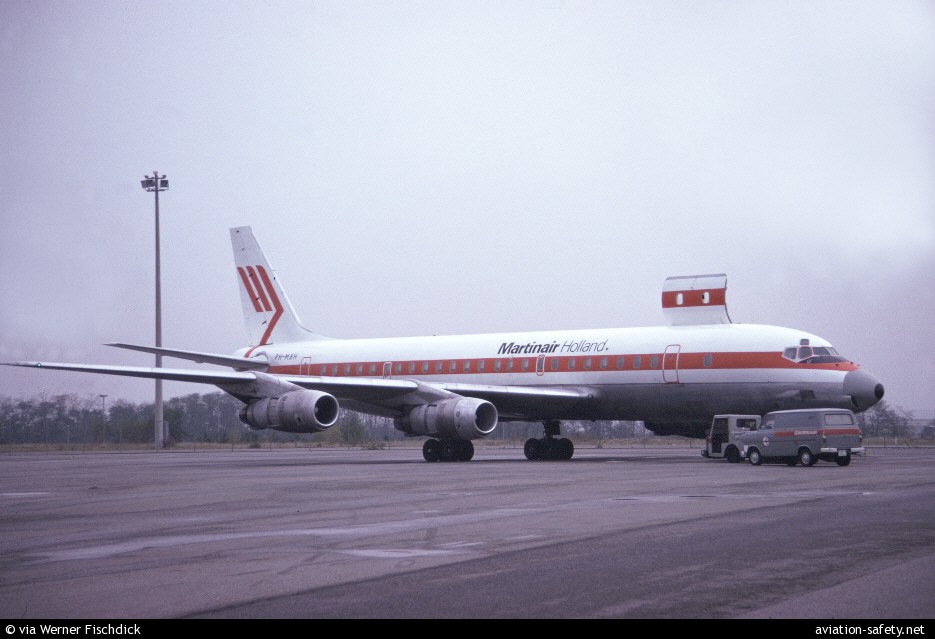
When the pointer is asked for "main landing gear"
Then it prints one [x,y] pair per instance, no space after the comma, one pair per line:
[447,450]
[552,446]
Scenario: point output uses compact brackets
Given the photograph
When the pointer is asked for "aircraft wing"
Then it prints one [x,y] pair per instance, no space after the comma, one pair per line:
[380,396]
[512,402]
[169,374]
[527,402]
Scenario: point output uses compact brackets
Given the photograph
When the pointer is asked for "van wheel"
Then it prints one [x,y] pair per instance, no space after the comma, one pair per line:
[732,454]
[806,458]
[755,457]
[843,461]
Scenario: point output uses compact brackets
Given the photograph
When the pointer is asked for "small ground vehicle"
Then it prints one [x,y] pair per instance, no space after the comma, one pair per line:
[723,437]
[804,436]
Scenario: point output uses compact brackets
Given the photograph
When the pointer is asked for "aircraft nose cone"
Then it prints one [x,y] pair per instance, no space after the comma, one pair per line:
[865,389]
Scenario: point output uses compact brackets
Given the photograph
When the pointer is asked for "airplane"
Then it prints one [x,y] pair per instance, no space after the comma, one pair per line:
[455,389]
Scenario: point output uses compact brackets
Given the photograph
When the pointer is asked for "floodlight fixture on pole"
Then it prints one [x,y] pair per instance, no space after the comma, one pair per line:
[156,183]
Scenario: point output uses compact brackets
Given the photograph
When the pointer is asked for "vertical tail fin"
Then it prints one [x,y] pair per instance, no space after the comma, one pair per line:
[267,311]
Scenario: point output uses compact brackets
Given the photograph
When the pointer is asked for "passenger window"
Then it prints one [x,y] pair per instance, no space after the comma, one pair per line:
[654,361]
[360,369]
[438,366]
[398,367]
[553,363]
[637,361]
[587,363]
[497,364]
[467,366]
[373,369]
[412,367]
[571,363]
[425,367]
[452,366]
[525,364]
[708,360]
[603,363]
[620,362]
[481,365]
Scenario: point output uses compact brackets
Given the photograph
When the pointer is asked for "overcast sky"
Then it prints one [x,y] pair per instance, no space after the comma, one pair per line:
[458,167]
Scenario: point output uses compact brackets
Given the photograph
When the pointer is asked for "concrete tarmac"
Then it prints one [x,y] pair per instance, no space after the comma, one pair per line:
[630,533]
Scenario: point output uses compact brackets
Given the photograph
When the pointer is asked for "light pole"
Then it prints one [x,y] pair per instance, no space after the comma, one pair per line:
[103,418]
[156,183]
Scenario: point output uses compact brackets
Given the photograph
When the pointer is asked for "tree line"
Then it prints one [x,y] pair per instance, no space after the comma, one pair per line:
[212,418]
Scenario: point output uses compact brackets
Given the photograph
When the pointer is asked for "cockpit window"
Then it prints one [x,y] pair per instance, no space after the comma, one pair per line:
[812,354]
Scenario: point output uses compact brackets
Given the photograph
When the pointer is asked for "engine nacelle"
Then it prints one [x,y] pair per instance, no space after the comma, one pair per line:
[300,411]
[460,418]
[695,430]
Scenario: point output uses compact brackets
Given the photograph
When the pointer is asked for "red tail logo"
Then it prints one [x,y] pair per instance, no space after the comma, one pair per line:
[261,292]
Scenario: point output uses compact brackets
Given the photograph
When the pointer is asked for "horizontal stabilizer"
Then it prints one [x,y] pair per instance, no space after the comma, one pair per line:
[695,299]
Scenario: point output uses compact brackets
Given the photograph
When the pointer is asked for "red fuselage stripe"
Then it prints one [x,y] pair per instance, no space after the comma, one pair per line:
[559,364]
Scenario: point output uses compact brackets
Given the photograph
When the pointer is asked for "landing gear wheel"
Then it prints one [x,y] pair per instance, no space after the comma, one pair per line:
[547,448]
[431,450]
[450,449]
[531,449]
[466,451]
[843,461]
[566,448]
[806,458]
[754,457]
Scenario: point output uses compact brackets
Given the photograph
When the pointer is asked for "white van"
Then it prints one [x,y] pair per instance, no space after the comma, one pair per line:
[722,439]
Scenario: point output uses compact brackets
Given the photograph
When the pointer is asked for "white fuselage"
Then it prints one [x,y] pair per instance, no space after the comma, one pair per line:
[651,373]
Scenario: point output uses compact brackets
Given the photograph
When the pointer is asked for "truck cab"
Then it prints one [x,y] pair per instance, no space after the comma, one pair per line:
[804,437]
[722,439]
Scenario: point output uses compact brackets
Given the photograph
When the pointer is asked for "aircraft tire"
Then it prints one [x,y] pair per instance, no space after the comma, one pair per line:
[465,451]
[451,450]
[532,449]
[566,448]
[431,450]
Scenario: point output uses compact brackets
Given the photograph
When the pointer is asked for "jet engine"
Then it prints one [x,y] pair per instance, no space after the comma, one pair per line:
[300,411]
[460,418]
